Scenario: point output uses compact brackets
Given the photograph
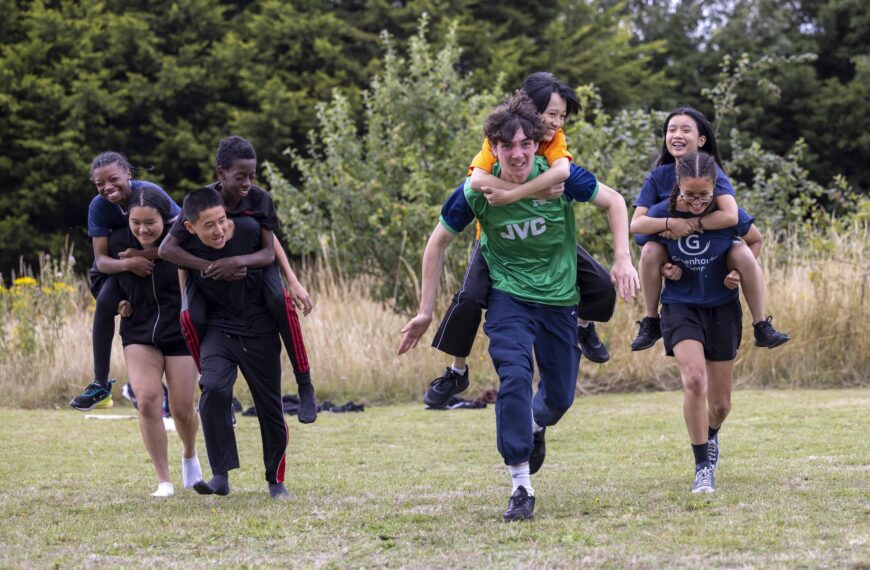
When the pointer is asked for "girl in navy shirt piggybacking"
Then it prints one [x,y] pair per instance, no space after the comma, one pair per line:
[687,131]
[701,319]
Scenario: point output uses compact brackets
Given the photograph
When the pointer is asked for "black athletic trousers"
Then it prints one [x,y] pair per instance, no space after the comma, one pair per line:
[259,359]
[107,294]
[455,335]
[280,305]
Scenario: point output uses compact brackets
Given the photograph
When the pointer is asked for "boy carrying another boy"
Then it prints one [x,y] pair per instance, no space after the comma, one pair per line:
[239,333]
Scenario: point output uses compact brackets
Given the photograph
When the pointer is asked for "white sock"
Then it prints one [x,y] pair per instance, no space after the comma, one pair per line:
[520,477]
[169,424]
[164,489]
[535,427]
[190,471]
[583,324]
[459,371]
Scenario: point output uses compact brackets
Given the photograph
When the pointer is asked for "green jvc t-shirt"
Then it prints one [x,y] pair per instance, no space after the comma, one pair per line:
[529,245]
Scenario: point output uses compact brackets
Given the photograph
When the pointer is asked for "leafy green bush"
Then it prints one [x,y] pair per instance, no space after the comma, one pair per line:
[376,194]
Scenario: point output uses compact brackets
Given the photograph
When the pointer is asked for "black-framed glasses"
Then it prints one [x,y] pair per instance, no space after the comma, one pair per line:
[696,199]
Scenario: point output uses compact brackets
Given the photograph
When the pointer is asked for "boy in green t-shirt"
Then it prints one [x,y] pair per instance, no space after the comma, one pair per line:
[529,247]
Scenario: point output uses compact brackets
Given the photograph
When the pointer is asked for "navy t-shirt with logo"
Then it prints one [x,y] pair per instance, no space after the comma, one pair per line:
[702,256]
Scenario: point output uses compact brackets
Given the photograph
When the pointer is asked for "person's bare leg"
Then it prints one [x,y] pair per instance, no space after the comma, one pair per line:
[693,371]
[741,259]
[652,256]
[181,377]
[145,367]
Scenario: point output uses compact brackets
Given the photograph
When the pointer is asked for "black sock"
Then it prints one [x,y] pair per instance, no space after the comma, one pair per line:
[700,452]
[219,485]
[711,431]
[307,412]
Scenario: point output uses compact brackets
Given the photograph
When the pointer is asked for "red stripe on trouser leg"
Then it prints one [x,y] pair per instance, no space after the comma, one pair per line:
[296,334]
[190,338]
[282,465]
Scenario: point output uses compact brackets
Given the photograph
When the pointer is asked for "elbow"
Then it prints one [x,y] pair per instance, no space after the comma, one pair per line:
[563,171]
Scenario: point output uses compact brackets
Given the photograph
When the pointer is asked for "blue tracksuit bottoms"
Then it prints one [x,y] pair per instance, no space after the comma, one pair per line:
[514,328]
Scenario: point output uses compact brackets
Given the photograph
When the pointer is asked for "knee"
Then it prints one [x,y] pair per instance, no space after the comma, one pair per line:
[150,406]
[695,381]
[181,413]
[720,409]
[653,254]
[741,257]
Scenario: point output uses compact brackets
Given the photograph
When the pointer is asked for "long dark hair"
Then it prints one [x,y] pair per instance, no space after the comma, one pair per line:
[693,165]
[705,129]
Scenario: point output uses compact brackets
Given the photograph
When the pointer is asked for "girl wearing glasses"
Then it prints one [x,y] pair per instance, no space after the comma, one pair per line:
[701,315]
[687,131]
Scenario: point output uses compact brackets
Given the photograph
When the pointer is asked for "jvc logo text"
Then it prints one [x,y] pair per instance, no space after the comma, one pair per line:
[521,231]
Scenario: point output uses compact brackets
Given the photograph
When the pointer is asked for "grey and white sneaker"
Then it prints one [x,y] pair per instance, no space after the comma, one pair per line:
[713,452]
[703,479]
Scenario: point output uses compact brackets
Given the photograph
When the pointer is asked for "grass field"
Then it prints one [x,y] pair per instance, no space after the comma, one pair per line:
[400,486]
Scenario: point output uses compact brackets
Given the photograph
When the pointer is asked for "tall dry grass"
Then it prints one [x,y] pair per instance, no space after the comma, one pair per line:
[817,292]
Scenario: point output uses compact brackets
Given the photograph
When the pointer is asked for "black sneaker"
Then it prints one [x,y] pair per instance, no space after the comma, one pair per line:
[94,396]
[539,452]
[767,336]
[590,345]
[521,506]
[444,387]
[650,332]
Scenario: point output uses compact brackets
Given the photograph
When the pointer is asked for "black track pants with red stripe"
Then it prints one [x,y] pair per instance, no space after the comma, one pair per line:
[280,305]
[259,359]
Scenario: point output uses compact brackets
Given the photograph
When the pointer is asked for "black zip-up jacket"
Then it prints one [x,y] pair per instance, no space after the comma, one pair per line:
[156,299]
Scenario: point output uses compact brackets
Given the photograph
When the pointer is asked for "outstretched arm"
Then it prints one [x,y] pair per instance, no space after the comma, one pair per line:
[433,260]
[623,274]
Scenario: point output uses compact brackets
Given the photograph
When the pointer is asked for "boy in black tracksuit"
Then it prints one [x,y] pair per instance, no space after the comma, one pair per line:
[240,333]
[236,168]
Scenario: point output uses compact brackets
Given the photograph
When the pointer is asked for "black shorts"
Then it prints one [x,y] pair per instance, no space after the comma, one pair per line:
[719,329]
[175,347]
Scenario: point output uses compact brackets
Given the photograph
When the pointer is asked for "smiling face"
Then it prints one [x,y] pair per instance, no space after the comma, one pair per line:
[554,115]
[516,157]
[682,136]
[696,194]
[113,182]
[211,227]
[146,224]
[236,181]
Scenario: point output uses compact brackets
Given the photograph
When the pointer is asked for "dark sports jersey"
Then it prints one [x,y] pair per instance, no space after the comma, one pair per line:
[702,256]
[155,299]
[235,307]
[103,216]
[257,204]
[661,181]
[456,214]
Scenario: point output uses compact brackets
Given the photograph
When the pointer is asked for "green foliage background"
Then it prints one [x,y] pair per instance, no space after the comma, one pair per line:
[381,132]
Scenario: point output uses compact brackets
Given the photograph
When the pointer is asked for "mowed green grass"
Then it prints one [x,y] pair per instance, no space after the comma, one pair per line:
[404,487]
